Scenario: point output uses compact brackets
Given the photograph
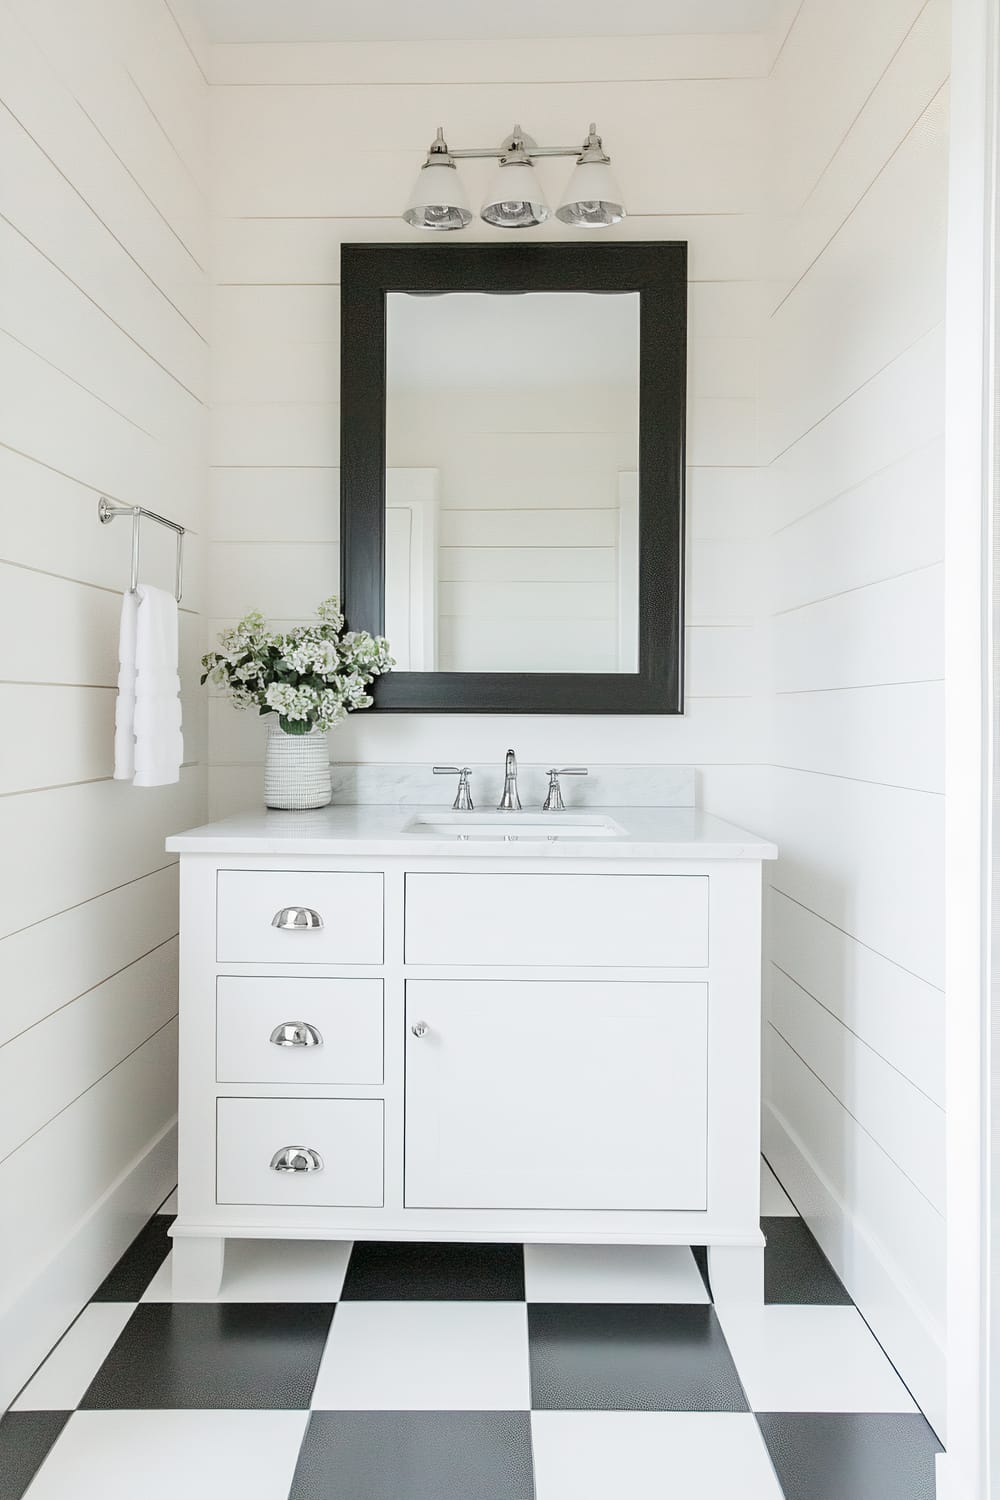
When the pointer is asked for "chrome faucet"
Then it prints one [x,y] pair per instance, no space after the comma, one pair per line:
[510,801]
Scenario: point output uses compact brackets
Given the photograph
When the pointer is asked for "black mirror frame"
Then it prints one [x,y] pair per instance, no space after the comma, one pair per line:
[658,272]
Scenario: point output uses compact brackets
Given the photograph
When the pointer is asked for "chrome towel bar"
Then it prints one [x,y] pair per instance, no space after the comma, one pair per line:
[107,512]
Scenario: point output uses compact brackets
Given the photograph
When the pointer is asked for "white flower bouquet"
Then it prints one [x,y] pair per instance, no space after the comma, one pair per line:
[311,677]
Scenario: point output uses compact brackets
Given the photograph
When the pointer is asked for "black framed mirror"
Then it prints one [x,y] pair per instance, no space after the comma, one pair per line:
[512,473]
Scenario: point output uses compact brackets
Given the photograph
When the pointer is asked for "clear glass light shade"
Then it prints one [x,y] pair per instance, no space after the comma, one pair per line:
[593,198]
[515,200]
[438,199]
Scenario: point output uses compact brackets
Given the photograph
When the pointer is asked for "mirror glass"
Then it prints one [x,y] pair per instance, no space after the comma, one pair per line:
[512,507]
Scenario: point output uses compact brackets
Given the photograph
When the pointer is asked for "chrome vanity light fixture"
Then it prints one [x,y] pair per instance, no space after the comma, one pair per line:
[515,199]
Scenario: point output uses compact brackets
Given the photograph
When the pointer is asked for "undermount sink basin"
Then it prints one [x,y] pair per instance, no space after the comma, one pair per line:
[512,827]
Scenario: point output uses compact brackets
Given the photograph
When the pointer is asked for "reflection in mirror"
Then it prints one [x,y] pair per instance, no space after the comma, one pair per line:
[512,439]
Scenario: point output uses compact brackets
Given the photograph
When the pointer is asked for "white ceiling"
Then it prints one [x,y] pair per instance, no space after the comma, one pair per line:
[475,20]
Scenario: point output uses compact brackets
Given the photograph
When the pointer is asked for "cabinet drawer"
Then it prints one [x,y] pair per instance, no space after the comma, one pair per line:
[342,1136]
[348,907]
[556,1095]
[615,921]
[299,1030]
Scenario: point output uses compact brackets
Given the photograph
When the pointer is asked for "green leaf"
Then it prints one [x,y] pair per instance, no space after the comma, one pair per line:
[295,726]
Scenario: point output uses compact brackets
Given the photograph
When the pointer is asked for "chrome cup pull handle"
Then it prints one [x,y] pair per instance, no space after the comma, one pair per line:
[297,919]
[296,1034]
[296,1159]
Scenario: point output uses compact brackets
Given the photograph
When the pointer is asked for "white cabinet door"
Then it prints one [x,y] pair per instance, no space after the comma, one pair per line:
[586,1095]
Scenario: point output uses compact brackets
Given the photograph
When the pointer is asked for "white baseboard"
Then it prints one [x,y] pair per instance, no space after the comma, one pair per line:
[901,1326]
[37,1319]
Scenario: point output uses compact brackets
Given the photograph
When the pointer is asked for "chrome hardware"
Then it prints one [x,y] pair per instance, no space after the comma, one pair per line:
[296,1159]
[553,798]
[510,801]
[463,797]
[296,919]
[296,1034]
[420,1028]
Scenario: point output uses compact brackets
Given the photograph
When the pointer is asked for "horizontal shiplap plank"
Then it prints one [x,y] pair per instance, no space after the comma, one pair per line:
[892,734]
[56,122]
[45,311]
[76,633]
[567,564]
[505,603]
[51,830]
[498,644]
[68,1166]
[300,251]
[723,582]
[830,64]
[869,859]
[862,302]
[898,1015]
[257,505]
[888,632]
[890,523]
[284,581]
[447,62]
[898,100]
[292,433]
[907,1125]
[528,528]
[47,415]
[887,1206]
[48,965]
[271,143]
[57,1060]
[87,55]
[895,413]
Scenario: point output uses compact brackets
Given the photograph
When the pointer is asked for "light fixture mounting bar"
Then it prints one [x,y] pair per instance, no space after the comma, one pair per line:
[496,152]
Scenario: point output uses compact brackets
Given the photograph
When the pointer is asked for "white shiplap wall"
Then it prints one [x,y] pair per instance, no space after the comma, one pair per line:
[685,122]
[103,366]
[851,427]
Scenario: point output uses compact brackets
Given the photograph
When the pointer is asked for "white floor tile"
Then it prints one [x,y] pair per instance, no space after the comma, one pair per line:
[426,1356]
[270,1271]
[612,1273]
[160,1455]
[170,1206]
[774,1201]
[64,1377]
[796,1358]
[589,1455]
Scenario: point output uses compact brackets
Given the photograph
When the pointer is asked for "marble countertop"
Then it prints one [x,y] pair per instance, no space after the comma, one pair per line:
[381,830]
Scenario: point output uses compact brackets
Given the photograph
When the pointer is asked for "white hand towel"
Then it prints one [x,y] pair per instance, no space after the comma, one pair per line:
[159,745]
[125,704]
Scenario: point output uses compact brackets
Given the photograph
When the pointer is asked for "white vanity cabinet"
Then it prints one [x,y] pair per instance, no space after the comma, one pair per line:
[389,1034]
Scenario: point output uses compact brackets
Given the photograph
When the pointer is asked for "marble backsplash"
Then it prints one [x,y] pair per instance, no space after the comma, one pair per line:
[404,785]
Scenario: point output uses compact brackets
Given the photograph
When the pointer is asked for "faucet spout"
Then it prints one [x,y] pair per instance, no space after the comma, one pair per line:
[510,801]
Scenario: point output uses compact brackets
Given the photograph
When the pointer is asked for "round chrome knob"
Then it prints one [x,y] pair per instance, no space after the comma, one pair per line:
[420,1028]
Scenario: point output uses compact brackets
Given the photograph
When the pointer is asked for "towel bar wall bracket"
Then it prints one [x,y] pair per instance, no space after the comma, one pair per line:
[107,512]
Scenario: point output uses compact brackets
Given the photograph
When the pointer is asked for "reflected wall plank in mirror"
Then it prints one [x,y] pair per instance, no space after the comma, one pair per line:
[550,575]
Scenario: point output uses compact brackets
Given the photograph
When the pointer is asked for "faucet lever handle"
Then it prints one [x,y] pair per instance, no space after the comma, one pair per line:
[554,798]
[463,796]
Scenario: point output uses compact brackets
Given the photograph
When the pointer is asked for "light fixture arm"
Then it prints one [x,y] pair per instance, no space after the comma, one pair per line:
[518,139]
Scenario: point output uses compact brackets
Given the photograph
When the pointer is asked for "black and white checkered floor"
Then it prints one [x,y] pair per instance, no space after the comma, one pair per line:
[468,1372]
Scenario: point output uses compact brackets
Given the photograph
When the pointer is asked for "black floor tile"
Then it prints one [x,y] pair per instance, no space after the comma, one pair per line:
[383,1271]
[849,1456]
[625,1357]
[415,1455]
[25,1439]
[140,1263]
[795,1268]
[261,1355]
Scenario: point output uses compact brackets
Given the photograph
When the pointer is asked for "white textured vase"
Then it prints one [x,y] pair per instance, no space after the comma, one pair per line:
[296,768]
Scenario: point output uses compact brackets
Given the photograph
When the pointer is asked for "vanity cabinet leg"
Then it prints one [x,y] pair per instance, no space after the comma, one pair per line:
[736,1274]
[197,1268]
